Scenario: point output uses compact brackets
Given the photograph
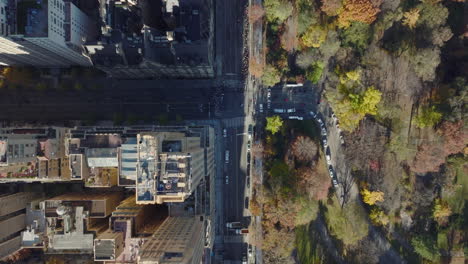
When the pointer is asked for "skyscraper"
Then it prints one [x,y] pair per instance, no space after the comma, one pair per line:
[43,33]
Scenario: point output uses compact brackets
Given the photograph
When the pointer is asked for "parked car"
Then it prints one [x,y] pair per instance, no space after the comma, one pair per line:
[313,114]
[248,145]
[227,179]
[279,111]
[330,171]
[335,183]
[261,108]
[250,251]
[328,159]
[224,132]
[226,156]
[334,117]
[246,203]
[324,131]
[291,110]
[324,141]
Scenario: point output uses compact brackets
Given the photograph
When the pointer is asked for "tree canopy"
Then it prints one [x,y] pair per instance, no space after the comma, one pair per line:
[274,124]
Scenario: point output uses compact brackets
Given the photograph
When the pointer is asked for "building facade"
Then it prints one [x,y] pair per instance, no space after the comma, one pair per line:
[178,240]
[44,33]
[13,220]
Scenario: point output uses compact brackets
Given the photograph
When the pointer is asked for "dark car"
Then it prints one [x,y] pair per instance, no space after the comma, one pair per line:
[246,203]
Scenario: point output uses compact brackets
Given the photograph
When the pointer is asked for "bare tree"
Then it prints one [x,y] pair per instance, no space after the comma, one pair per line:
[347,182]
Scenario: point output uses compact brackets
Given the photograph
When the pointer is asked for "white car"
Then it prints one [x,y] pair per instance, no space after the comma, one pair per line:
[341,140]
[261,108]
[324,141]
[296,117]
[330,171]
[328,159]
[224,132]
[313,114]
[227,179]
[291,110]
[226,156]
[320,121]
[334,117]
[279,111]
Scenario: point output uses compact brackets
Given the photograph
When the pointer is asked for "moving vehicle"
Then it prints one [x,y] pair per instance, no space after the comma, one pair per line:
[279,111]
[296,117]
[226,156]
[237,225]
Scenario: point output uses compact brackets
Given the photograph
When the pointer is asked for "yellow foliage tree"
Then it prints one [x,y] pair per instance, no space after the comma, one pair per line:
[441,211]
[411,17]
[378,217]
[351,108]
[314,36]
[370,197]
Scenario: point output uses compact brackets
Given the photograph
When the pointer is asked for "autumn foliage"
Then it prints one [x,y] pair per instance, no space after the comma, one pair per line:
[313,182]
[370,197]
[431,155]
[255,13]
[304,149]
[358,10]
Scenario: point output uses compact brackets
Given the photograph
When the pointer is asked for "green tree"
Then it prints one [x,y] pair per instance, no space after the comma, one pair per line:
[277,9]
[425,247]
[314,72]
[274,124]
[307,212]
[314,36]
[424,62]
[428,117]
[348,224]
[357,36]
[271,76]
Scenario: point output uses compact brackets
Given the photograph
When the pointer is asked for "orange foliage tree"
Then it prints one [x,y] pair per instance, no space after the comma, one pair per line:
[431,155]
[255,13]
[358,10]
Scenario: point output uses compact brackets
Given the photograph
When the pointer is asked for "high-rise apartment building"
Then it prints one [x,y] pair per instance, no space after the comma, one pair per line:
[178,240]
[13,220]
[44,33]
